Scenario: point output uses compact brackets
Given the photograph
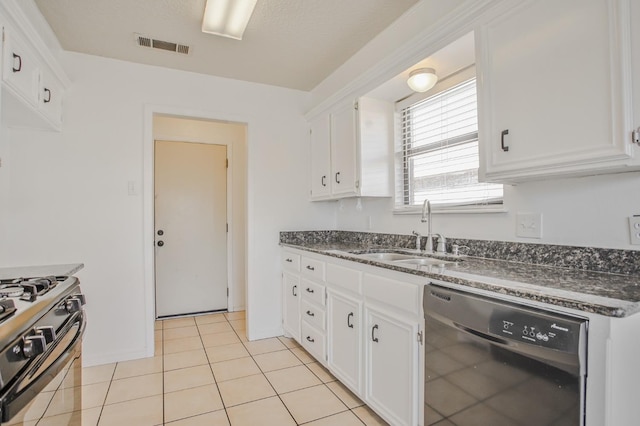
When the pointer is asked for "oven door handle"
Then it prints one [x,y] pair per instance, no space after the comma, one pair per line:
[17,396]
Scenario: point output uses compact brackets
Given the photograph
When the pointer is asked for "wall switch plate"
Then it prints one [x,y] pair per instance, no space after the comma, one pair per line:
[529,225]
[634,229]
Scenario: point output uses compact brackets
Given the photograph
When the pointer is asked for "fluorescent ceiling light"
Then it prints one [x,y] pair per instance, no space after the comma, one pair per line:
[227,18]
[422,79]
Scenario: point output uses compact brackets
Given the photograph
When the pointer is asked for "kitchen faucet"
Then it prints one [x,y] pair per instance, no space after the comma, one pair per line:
[426,217]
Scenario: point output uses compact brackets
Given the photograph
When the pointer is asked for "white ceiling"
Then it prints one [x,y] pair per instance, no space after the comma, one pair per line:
[288,43]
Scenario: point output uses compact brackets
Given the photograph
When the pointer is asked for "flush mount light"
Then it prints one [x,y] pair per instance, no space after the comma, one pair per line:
[422,79]
[227,18]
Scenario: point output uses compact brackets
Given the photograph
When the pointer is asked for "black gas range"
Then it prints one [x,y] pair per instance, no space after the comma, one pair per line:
[42,321]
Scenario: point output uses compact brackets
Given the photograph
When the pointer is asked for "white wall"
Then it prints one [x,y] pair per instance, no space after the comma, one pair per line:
[588,212]
[234,136]
[70,188]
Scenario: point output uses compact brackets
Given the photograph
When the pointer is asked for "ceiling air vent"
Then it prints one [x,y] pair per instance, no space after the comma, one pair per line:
[145,41]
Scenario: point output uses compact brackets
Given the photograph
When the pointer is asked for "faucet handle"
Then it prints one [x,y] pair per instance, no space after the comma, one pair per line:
[442,244]
[417,234]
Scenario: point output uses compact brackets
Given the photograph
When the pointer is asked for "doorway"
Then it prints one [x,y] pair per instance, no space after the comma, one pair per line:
[190,206]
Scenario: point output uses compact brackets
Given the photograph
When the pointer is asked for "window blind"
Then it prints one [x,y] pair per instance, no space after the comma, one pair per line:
[437,157]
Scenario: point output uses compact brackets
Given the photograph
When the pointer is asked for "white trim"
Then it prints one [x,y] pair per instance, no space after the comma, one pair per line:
[414,210]
[148,204]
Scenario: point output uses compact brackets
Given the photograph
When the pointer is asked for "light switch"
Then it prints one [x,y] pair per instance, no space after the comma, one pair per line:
[529,225]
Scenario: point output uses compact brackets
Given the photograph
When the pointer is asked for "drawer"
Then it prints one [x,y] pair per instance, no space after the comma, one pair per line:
[314,341]
[346,278]
[313,268]
[290,261]
[399,294]
[313,292]
[312,314]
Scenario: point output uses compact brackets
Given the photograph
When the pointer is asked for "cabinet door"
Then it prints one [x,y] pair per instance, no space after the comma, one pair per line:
[320,158]
[20,69]
[343,152]
[392,366]
[291,304]
[345,339]
[552,90]
[51,98]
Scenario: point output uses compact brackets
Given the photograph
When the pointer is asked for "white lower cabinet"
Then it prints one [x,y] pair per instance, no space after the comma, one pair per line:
[345,339]
[363,324]
[291,304]
[391,366]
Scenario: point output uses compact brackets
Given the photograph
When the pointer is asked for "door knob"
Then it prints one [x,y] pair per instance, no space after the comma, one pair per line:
[160,243]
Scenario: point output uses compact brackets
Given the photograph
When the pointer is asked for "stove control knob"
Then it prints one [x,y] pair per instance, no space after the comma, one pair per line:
[48,332]
[73,304]
[33,345]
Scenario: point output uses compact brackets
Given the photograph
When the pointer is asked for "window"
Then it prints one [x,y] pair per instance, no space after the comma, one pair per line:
[437,154]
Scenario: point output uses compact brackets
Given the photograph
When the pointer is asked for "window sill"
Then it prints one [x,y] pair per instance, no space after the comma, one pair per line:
[451,209]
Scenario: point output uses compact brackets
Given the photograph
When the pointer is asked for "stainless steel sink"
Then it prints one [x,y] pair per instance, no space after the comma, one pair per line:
[387,257]
[423,261]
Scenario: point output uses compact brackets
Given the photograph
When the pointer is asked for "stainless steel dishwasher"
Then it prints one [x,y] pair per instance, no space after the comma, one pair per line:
[494,363]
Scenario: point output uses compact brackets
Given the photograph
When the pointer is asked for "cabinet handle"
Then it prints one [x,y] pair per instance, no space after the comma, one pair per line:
[323,180]
[338,177]
[310,339]
[310,290]
[502,135]
[293,290]
[349,323]
[373,333]
[311,268]
[48,97]
[311,314]
[289,260]
[19,63]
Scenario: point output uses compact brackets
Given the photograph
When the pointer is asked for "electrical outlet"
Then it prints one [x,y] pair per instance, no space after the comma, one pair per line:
[529,225]
[634,229]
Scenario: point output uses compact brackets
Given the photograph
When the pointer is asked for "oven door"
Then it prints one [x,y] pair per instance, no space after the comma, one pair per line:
[43,369]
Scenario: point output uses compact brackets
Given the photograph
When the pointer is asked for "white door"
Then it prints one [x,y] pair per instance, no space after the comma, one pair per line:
[190,227]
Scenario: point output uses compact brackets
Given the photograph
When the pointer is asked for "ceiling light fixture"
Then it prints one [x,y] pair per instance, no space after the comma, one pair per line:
[227,18]
[422,79]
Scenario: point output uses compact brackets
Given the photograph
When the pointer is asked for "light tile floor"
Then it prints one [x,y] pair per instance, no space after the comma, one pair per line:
[205,372]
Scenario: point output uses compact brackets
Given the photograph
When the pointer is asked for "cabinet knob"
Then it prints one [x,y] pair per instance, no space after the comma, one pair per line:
[323,180]
[502,135]
[310,339]
[310,290]
[311,314]
[373,333]
[47,93]
[311,268]
[19,58]
[160,243]
[337,177]
[293,290]
[349,317]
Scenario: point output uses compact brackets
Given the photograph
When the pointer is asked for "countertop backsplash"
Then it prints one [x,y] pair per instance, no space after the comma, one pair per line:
[615,261]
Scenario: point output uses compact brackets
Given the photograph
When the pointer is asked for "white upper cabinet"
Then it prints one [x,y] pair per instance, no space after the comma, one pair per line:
[351,151]
[32,81]
[554,90]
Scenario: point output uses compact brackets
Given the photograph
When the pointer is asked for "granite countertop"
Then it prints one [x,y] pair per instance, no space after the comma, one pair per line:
[40,271]
[613,295]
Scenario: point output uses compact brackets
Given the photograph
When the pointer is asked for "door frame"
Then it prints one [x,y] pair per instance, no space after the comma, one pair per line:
[229,210]
[148,225]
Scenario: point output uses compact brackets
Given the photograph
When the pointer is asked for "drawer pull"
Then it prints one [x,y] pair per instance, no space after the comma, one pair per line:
[323,180]
[311,314]
[502,135]
[373,333]
[349,317]
[310,339]
[310,290]
[311,268]
[293,290]
[47,92]
[19,58]
[289,260]
[338,178]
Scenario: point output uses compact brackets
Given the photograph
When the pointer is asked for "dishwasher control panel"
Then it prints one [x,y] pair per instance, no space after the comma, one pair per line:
[541,330]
